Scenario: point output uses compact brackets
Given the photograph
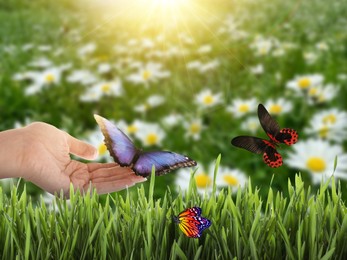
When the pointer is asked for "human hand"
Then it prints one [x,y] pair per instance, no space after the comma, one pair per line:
[40,153]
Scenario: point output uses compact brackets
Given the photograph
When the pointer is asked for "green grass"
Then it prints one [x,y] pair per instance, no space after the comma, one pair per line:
[305,225]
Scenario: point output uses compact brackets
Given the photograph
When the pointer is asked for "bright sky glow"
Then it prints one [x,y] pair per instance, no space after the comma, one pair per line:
[165,4]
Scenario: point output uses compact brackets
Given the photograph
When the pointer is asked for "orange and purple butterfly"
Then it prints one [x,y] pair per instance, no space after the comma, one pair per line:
[277,136]
[191,222]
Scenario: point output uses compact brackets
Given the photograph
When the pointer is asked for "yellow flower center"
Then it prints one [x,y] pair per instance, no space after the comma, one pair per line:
[103,57]
[231,180]
[253,126]
[329,119]
[146,74]
[208,100]
[106,88]
[263,50]
[49,78]
[323,132]
[276,109]
[102,149]
[195,128]
[132,129]
[321,98]
[313,92]
[316,164]
[203,180]
[244,108]
[152,139]
[304,83]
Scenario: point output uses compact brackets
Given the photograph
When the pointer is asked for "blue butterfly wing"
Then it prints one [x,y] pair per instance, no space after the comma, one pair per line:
[118,144]
[163,161]
[203,223]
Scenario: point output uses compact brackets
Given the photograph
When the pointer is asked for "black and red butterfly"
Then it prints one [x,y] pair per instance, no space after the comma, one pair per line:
[277,136]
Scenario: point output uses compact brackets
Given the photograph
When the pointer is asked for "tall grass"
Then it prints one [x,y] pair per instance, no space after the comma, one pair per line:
[301,226]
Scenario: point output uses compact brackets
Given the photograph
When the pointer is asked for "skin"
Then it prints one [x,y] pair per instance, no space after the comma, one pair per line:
[40,153]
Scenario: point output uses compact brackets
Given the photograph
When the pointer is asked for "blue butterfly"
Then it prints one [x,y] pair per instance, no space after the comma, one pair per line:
[126,154]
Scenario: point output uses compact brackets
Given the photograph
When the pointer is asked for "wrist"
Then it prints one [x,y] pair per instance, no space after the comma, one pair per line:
[11,153]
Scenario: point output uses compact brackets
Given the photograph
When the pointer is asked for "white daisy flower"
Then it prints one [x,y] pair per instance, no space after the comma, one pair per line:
[322,46]
[151,134]
[233,178]
[262,46]
[96,139]
[109,88]
[147,43]
[329,124]
[240,107]
[342,76]
[86,49]
[172,120]
[278,106]
[206,99]
[250,124]
[150,72]
[322,94]
[231,28]
[27,47]
[317,157]
[257,70]
[44,48]
[202,67]
[26,75]
[203,179]
[193,128]
[204,49]
[48,77]
[208,66]
[151,102]
[132,128]
[41,62]
[310,57]
[104,68]
[302,84]
[194,65]
[84,77]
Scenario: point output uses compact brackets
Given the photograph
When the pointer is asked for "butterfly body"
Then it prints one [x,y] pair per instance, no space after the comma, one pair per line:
[277,136]
[126,154]
[191,222]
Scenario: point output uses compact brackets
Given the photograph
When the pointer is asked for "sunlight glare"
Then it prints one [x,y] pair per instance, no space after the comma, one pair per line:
[167,3]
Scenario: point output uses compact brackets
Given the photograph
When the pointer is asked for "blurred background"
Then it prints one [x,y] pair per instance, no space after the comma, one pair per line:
[185,76]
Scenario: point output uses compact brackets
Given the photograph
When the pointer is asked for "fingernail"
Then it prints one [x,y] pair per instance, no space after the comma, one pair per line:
[141,179]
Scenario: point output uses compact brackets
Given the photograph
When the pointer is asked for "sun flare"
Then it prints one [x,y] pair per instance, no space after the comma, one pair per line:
[166,4]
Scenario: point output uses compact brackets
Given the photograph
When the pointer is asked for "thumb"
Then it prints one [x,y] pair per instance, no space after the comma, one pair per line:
[80,148]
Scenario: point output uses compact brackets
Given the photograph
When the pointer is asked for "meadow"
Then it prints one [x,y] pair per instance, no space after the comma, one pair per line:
[184,76]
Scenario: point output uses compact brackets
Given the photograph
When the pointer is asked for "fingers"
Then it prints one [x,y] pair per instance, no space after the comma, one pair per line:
[95,166]
[80,148]
[115,178]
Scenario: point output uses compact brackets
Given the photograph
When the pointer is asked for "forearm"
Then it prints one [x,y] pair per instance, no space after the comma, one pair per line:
[11,153]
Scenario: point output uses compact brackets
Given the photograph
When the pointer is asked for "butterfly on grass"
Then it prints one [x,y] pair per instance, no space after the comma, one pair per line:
[191,222]
[277,136]
[126,154]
